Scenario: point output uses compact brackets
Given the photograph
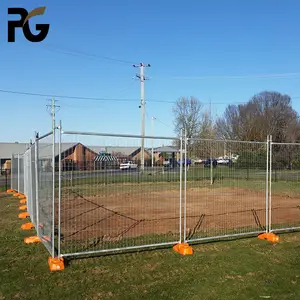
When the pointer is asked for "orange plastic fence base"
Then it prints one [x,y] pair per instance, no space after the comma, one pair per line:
[10,191]
[23,207]
[270,237]
[22,197]
[183,249]
[23,201]
[27,226]
[24,215]
[56,264]
[16,194]
[32,239]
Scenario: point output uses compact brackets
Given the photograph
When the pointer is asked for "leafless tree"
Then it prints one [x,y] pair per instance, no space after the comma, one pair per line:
[207,127]
[187,113]
[267,113]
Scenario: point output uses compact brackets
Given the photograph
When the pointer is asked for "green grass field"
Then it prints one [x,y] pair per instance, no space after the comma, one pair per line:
[240,269]
[193,174]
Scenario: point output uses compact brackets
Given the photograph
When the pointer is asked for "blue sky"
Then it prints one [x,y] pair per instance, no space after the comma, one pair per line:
[203,40]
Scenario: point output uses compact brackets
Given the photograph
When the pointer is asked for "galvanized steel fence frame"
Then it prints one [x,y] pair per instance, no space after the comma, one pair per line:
[14,172]
[63,134]
[264,201]
[277,156]
[44,196]
[30,179]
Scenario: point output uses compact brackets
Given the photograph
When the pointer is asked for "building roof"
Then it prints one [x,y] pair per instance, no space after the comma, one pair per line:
[167,149]
[45,149]
[7,149]
[126,151]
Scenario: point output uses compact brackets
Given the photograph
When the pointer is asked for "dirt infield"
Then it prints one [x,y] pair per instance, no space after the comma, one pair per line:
[116,215]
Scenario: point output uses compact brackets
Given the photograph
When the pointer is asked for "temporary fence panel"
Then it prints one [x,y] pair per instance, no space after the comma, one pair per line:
[225,189]
[21,173]
[46,184]
[91,193]
[14,172]
[115,204]
[27,181]
[32,175]
[284,186]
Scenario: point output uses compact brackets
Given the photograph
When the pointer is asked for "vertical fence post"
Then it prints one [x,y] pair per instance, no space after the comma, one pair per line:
[6,180]
[180,190]
[36,167]
[12,186]
[211,165]
[267,187]
[72,176]
[270,186]
[53,192]
[24,175]
[59,189]
[18,173]
[185,179]
[30,181]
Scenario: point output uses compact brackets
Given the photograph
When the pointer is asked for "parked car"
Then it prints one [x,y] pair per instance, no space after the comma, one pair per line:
[166,162]
[224,161]
[207,163]
[198,162]
[188,162]
[126,165]
[169,163]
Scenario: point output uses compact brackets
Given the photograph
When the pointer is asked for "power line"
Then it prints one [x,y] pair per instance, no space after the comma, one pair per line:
[110,99]
[81,98]
[71,52]
[77,53]
[158,120]
[66,96]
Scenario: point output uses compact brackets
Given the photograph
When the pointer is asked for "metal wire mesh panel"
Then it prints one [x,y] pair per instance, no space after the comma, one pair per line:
[109,203]
[21,174]
[225,188]
[45,191]
[27,181]
[285,188]
[33,185]
[14,172]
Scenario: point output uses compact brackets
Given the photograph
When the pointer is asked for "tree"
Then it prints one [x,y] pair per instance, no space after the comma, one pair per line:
[207,128]
[198,125]
[267,113]
[187,113]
